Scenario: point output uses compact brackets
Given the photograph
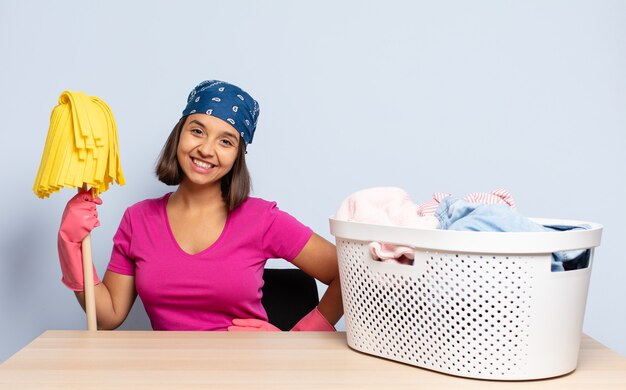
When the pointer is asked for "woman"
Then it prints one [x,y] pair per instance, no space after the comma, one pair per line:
[196,256]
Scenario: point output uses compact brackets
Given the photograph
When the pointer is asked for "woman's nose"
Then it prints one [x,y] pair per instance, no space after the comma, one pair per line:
[206,148]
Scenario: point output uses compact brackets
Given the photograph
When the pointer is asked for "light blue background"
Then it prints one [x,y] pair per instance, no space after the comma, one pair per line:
[455,96]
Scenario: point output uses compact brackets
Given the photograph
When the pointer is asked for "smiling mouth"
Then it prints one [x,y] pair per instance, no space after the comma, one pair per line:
[202,164]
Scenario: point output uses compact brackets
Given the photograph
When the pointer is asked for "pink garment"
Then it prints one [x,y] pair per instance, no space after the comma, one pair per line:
[496,196]
[389,206]
[205,291]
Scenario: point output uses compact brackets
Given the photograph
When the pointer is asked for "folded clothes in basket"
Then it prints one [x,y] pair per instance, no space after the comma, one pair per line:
[498,196]
[458,214]
[389,206]
[486,212]
[392,206]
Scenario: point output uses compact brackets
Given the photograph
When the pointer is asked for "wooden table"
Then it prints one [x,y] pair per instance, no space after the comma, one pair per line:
[269,360]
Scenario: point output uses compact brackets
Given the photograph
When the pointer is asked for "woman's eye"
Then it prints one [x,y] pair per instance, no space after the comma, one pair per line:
[196,131]
[227,142]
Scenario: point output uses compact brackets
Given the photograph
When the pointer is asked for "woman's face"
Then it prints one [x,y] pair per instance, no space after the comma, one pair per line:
[207,149]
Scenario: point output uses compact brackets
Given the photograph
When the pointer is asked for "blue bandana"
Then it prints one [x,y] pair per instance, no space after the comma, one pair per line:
[227,102]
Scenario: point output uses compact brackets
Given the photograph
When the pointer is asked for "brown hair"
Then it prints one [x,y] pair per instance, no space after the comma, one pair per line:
[236,184]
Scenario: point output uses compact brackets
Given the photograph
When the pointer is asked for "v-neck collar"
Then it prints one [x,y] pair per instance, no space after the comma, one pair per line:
[173,238]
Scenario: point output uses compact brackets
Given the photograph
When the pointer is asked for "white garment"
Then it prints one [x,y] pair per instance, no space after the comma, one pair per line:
[389,206]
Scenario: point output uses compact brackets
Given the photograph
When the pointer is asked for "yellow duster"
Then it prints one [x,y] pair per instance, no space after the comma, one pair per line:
[81,148]
[81,151]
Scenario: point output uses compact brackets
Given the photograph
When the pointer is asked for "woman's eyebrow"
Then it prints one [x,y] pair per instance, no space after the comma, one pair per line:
[197,123]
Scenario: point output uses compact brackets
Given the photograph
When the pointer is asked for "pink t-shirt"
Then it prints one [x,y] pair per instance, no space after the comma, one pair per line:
[204,291]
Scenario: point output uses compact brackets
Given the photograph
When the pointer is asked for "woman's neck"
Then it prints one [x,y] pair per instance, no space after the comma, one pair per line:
[193,197]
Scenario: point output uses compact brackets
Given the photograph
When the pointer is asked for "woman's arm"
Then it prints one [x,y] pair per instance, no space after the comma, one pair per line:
[114,298]
[318,258]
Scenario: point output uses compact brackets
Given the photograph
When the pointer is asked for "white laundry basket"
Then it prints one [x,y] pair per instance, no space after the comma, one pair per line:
[474,304]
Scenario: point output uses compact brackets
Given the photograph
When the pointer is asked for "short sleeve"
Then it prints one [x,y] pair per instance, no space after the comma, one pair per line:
[285,236]
[121,261]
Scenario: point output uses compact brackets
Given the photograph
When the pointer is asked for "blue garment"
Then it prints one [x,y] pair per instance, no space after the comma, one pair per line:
[227,102]
[455,213]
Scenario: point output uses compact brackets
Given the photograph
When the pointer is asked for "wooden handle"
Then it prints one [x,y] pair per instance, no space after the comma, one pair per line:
[90,298]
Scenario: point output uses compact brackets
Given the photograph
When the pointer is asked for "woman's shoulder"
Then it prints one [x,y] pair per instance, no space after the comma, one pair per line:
[149,205]
[260,209]
[255,205]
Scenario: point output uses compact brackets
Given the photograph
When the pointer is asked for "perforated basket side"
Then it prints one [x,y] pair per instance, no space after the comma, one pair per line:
[464,314]
[466,306]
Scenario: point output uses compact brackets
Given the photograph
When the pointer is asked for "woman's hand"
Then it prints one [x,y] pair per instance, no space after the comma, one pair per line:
[314,321]
[80,217]
[251,325]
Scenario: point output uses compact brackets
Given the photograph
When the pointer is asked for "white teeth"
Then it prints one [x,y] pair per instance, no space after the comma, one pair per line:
[202,164]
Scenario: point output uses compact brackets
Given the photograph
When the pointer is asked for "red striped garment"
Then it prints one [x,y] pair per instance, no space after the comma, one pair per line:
[496,196]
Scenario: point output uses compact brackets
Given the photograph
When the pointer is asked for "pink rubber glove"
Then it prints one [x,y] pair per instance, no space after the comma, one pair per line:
[79,219]
[314,321]
[251,325]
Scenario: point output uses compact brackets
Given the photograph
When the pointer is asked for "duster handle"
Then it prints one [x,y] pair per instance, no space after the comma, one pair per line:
[90,299]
